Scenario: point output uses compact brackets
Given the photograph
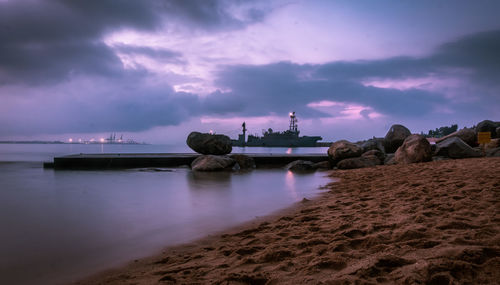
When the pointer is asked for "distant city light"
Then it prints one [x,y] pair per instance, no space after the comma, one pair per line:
[70,140]
[101,140]
[211,132]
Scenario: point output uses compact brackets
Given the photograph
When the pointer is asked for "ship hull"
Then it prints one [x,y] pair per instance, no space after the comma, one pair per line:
[263,142]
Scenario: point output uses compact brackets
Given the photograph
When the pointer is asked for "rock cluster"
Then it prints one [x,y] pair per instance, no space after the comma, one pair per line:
[399,146]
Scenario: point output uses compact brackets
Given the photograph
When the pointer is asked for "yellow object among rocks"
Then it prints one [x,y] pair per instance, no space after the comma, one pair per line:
[483,137]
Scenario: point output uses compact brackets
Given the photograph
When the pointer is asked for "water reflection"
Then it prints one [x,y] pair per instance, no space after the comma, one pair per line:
[290,182]
[83,221]
[200,179]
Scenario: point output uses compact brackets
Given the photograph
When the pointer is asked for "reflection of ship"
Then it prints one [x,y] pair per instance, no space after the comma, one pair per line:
[288,138]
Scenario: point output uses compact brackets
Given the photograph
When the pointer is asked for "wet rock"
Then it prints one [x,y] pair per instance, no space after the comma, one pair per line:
[343,149]
[212,163]
[359,162]
[300,165]
[244,161]
[488,126]
[415,148]
[322,165]
[375,152]
[205,143]
[454,147]
[469,136]
[395,137]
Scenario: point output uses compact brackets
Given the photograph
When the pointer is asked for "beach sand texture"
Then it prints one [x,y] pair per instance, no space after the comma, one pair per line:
[425,223]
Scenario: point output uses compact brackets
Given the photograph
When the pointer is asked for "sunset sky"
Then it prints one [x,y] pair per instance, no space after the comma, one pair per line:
[157,70]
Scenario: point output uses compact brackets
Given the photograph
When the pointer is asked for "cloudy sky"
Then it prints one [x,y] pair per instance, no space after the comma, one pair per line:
[156,70]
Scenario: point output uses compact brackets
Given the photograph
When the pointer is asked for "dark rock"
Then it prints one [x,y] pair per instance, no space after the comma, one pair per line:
[454,147]
[469,136]
[244,161]
[488,126]
[498,132]
[395,137]
[415,148]
[439,158]
[433,147]
[389,159]
[359,162]
[375,152]
[495,152]
[322,165]
[209,144]
[343,149]
[212,163]
[300,165]
[373,144]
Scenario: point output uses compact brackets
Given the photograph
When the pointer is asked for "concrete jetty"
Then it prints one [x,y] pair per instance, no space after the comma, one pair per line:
[143,160]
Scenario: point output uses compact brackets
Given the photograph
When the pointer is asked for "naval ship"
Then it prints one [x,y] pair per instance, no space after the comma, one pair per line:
[270,138]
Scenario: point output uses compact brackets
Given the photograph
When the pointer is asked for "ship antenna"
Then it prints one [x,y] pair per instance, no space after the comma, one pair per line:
[293,122]
[244,126]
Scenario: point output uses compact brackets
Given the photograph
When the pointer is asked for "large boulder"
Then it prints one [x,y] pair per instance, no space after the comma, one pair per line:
[415,148]
[488,126]
[359,162]
[343,149]
[243,161]
[300,165]
[395,137]
[212,163]
[375,152]
[469,136]
[373,144]
[454,147]
[209,144]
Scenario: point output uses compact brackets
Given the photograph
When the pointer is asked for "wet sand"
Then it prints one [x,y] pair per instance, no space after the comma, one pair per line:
[434,223]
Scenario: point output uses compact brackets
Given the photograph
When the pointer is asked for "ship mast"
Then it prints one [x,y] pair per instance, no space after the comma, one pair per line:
[244,126]
[293,122]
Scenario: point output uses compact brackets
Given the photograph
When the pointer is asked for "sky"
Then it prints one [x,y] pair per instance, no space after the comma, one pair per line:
[156,70]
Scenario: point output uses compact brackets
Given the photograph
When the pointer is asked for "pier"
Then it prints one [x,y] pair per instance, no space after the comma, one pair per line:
[144,160]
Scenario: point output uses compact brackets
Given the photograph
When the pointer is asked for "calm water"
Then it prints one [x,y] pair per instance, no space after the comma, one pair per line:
[57,226]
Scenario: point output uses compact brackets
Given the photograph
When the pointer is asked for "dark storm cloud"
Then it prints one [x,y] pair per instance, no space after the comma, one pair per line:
[284,86]
[280,87]
[42,42]
[129,105]
[477,53]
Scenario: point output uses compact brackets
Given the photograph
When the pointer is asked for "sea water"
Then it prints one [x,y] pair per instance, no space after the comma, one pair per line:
[61,225]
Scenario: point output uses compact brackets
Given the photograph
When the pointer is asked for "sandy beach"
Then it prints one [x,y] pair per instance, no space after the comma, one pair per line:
[424,223]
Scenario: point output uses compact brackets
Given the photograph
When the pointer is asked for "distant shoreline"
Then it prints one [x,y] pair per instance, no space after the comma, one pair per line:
[60,142]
